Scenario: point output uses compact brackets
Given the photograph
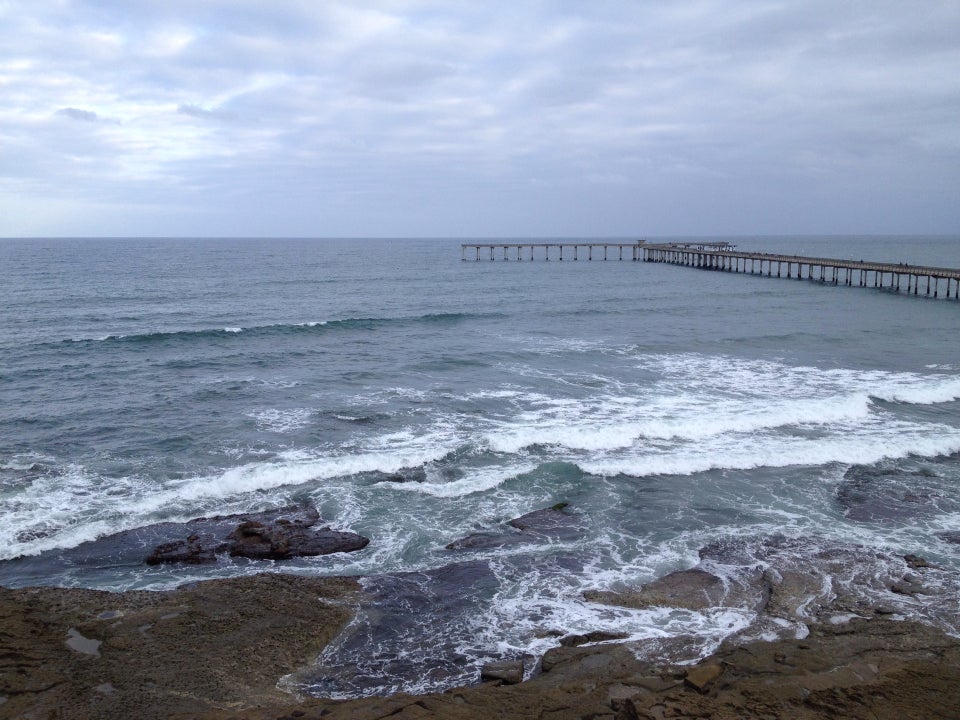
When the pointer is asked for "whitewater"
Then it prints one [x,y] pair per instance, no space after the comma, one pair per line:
[417,399]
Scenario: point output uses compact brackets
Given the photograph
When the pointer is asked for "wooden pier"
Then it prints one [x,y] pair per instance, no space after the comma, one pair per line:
[575,250]
[825,270]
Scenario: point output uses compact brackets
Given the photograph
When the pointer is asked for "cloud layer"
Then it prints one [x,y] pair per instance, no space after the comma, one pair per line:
[403,118]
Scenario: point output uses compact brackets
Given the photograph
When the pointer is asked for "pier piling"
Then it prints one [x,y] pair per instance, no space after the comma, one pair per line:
[823,270]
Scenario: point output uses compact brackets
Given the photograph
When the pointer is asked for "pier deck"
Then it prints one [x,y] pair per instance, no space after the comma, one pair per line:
[864,273]
[723,256]
[573,248]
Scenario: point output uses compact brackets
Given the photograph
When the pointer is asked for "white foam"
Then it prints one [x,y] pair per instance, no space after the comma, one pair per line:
[893,441]
[74,508]
[282,421]
[612,422]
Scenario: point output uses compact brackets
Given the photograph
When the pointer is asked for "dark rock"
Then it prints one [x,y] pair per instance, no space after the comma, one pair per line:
[625,709]
[917,562]
[950,537]
[551,518]
[406,475]
[592,637]
[485,541]
[192,551]
[281,542]
[272,535]
[890,492]
[547,525]
[509,672]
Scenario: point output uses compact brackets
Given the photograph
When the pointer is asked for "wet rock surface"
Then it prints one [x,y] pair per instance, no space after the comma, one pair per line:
[791,582]
[274,535]
[891,493]
[693,589]
[218,649]
[199,541]
[540,526]
[950,537]
[375,653]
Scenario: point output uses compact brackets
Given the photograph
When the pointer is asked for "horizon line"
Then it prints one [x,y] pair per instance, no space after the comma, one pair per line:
[474,237]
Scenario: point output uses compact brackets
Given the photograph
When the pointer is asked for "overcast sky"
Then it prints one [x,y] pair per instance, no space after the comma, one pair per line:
[513,118]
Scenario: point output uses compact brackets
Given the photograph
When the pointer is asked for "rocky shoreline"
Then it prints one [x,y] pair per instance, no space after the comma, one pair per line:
[837,631]
[217,649]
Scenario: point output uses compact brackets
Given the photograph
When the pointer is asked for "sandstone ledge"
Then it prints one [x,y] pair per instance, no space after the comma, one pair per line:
[217,649]
[220,644]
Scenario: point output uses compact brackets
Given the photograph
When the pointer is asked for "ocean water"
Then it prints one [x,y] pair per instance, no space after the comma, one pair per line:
[147,381]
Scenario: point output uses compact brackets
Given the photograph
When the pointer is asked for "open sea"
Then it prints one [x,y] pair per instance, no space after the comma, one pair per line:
[415,399]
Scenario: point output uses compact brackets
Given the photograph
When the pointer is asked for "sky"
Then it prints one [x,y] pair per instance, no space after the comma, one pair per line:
[512,118]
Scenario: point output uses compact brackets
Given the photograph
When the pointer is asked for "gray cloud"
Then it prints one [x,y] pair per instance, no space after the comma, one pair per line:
[77,114]
[416,117]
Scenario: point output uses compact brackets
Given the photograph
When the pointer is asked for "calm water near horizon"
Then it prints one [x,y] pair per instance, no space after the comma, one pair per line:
[157,380]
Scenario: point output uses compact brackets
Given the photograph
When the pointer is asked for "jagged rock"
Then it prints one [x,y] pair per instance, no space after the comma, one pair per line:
[273,535]
[549,524]
[509,672]
[283,541]
[192,551]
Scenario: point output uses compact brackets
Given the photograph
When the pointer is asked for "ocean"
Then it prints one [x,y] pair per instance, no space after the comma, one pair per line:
[416,399]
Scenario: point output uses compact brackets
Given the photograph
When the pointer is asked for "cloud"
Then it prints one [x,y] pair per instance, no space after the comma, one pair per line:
[707,116]
[77,114]
[204,113]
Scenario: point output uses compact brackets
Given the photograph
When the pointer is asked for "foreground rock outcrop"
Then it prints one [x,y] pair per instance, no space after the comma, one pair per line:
[222,644]
[830,640]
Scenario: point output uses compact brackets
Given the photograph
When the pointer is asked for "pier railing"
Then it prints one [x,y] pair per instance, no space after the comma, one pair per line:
[864,273]
[723,256]
[587,250]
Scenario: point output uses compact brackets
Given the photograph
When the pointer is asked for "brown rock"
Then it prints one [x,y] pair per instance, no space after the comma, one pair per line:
[693,589]
[76,654]
[509,672]
[701,676]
